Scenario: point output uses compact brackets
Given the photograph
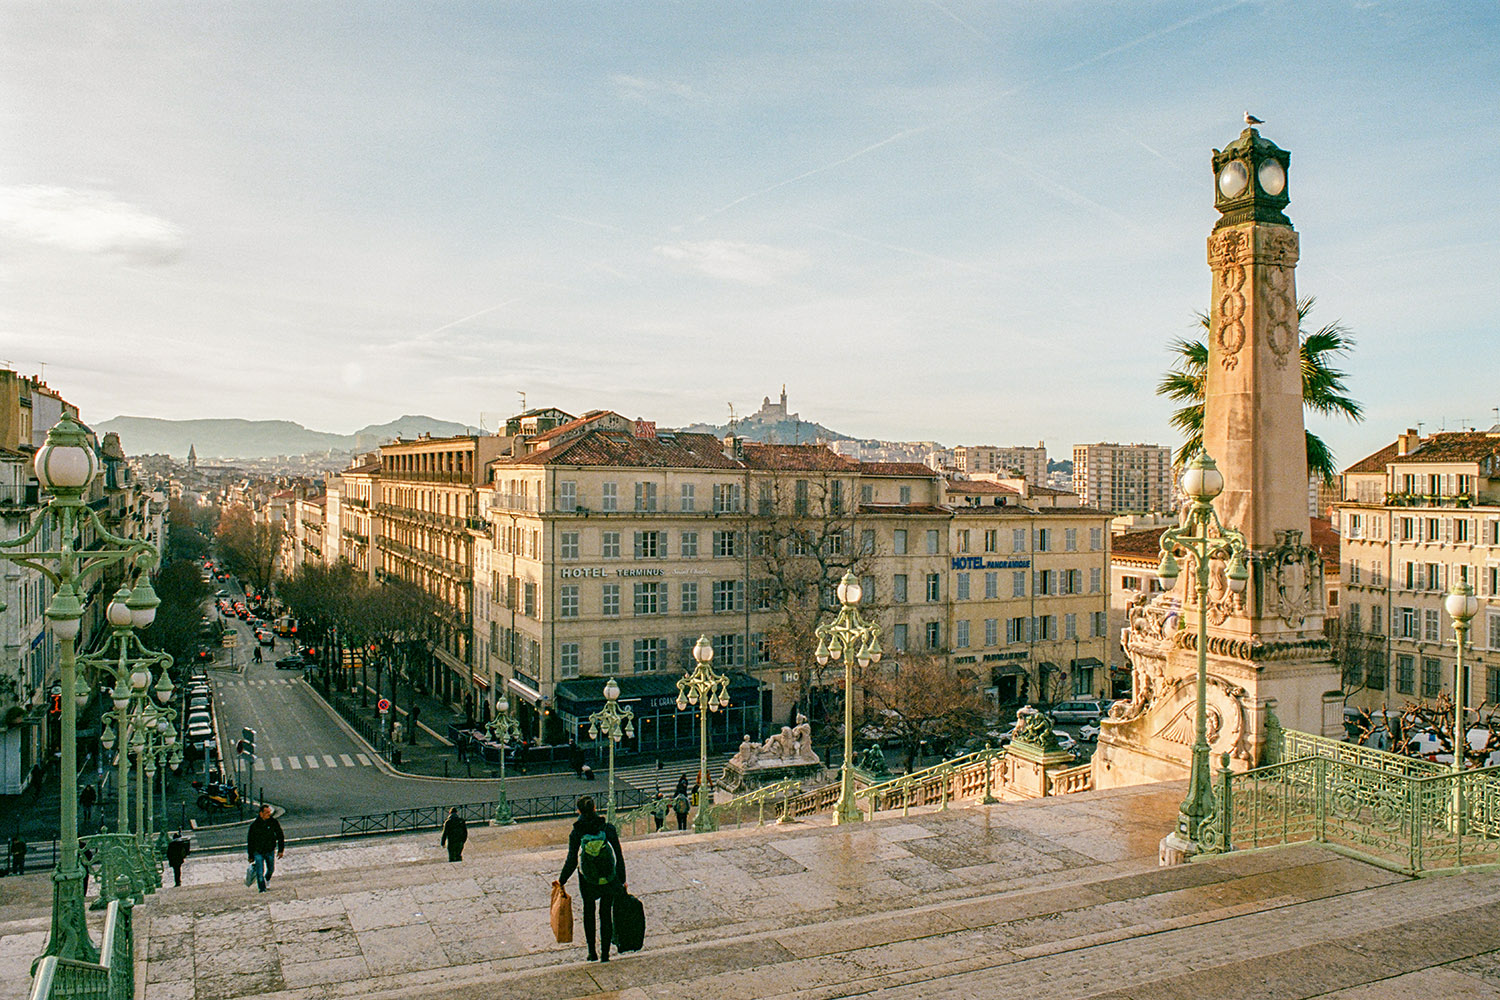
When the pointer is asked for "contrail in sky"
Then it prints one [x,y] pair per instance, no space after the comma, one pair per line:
[465,319]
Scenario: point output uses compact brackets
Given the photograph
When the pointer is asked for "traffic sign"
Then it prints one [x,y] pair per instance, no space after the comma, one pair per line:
[383,704]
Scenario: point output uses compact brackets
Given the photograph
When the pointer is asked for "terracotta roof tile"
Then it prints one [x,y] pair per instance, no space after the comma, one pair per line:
[1138,544]
[1322,537]
[613,449]
[1375,462]
[978,487]
[895,469]
[1455,446]
[796,457]
[572,425]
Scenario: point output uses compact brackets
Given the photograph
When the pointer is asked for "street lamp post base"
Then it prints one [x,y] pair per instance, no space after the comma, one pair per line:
[846,810]
[502,814]
[69,937]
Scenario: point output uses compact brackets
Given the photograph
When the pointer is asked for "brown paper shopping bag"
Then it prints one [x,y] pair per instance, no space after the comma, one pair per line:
[562,914]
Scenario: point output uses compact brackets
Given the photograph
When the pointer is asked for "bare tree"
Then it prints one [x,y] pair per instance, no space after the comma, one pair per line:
[918,698]
[249,547]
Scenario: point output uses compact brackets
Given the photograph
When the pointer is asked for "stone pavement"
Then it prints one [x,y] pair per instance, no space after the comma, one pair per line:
[1053,899]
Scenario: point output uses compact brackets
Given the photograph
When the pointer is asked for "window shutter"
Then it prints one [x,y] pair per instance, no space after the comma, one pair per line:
[661,594]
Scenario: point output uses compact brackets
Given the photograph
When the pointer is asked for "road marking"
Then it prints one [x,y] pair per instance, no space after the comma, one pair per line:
[275,763]
[260,765]
[363,759]
[328,759]
[311,760]
[345,760]
[296,764]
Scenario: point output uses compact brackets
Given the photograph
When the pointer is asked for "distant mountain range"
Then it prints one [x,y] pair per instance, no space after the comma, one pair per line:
[260,438]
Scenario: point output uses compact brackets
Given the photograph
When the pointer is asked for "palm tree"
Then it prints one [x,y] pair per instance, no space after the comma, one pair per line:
[1323,389]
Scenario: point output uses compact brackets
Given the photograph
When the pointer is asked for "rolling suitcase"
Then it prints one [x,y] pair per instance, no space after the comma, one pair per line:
[630,923]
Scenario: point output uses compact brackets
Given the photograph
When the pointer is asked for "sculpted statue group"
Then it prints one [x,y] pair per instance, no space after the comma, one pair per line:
[790,746]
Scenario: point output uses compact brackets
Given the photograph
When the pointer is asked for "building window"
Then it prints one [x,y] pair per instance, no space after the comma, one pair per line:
[567,495]
[1376,625]
[761,594]
[1070,539]
[1375,674]
[1430,625]
[567,545]
[1406,624]
[689,547]
[1018,540]
[609,657]
[991,540]
[963,540]
[867,542]
[934,635]
[761,543]
[650,544]
[799,506]
[898,588]
[1096,539]
[1043,582]
[724,544]
[961,634]
[729,649]
[567,601]
[528,599]
[1018,583]
[726,498]
[1405,669]
[689,497]
[651,598]
[898,541]
[1494,623]
[1492,685]
[991,586]
[1101,623]
[611,547]
[1015,630]
[567,660]
[836,498]
[1432,676]
[866,494]
[1044,628]
[934,588]
[1070,626]
[962,587]
[729,595]
[1355,625]
[1044,539]
[689,602]
[649,654]
[898,638]
[991,631]
[867,590]
[932,542]
[609,496]
[905,494]
[611,603]
[645,496]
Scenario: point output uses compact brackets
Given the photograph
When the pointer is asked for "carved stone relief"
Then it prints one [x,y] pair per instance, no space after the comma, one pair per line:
[1294,579]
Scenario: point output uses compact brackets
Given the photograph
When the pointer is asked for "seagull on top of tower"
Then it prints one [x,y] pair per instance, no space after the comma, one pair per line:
[1252,120]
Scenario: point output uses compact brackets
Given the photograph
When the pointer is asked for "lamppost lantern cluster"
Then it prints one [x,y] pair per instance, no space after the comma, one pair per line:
[709,691]
[614,723]
[66,466]
[854,640]
[1203,539]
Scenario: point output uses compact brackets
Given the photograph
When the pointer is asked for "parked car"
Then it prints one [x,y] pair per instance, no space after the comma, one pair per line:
[1088,710]
[292,662]
[1089,732]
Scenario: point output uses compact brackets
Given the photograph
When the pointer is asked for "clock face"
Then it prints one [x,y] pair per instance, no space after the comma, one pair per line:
[1272,177]
[1233,179]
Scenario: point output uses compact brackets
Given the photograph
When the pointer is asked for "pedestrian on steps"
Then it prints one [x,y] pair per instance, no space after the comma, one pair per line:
[455,835]
[265,843]
[177,852]
[594,852]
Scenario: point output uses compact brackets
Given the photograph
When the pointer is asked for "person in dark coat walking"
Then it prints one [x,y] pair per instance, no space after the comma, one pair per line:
[455,835]
[461,744]
[177,852]
[86,800]
[416,713]
[265,843]
[601,874]
[17,856]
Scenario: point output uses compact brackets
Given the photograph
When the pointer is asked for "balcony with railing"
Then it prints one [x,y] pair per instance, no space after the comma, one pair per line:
[24,495]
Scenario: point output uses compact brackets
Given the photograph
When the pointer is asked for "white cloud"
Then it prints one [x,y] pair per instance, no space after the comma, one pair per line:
[748,263]
[637,88]
[90,222]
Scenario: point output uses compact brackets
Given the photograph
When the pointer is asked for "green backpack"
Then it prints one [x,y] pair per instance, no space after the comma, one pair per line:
[596,859]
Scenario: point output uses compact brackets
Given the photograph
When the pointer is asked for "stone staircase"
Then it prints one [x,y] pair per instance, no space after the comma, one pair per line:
[1058,898]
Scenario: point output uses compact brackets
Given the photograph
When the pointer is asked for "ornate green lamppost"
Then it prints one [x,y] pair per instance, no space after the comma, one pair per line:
[65,467]
[615,723]
[503,728]
[710,692]
[1462,606]
[860,639]
[1205,538]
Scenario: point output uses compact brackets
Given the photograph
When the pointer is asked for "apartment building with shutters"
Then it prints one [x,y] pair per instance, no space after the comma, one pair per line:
[1414,518]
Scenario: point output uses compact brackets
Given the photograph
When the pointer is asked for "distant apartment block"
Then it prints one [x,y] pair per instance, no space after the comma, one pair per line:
[979,458]
[1123,478]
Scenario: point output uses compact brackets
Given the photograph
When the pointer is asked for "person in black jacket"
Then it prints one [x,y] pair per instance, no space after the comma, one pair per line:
[455,834]
[594,851]
[265,843]
[177,852]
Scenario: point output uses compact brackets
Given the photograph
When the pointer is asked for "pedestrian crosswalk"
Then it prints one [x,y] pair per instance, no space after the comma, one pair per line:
[308,762]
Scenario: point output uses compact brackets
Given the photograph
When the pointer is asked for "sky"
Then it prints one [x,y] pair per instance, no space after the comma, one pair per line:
[975,223]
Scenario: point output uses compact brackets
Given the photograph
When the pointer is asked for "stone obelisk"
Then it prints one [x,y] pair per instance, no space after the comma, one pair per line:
[1265,647]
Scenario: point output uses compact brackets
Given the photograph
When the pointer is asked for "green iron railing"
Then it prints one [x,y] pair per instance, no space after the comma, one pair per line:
[778,794]
[958,778]
[1411,823]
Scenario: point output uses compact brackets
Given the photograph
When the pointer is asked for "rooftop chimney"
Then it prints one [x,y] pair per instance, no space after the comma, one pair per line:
[1408,442]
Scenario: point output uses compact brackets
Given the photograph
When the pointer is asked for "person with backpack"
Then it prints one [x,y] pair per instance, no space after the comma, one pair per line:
[680,802]
[594,852]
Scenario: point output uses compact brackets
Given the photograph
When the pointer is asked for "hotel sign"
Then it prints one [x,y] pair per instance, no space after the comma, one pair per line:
[980,562]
